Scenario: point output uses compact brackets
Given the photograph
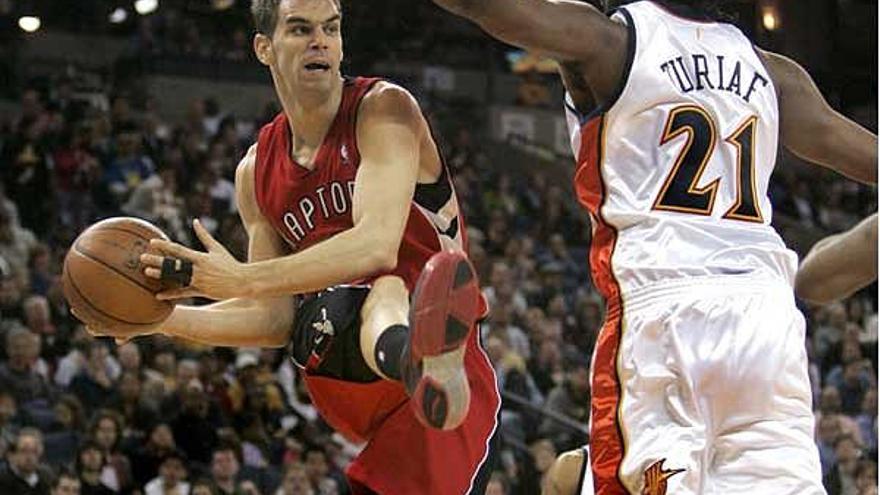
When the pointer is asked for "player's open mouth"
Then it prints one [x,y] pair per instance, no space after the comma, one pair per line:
[317,67]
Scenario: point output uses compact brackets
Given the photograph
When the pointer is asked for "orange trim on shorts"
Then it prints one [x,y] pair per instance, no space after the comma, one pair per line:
[606,436]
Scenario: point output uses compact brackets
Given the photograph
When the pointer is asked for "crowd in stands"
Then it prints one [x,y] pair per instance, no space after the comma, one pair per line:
[160,416]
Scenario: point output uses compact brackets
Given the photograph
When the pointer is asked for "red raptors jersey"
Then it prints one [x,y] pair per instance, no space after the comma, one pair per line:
[309,206]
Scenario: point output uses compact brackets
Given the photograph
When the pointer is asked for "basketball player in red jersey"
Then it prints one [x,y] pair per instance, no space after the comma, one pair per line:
[674,156]
[349,207]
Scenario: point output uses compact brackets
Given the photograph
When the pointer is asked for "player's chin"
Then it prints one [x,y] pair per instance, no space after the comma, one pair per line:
[318,78]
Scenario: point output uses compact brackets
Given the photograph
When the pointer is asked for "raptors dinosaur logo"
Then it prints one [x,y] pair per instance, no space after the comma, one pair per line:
[655,478]
[324,333]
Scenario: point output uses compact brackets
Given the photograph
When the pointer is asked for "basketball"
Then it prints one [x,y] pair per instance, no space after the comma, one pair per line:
[103,278]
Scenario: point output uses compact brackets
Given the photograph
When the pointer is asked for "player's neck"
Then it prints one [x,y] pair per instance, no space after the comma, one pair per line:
[310,116]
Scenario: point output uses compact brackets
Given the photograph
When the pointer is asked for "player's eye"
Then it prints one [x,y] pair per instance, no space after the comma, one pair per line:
[300,30]
[332,29]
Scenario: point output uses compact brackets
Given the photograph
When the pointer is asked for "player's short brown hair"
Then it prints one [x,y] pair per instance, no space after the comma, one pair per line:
[265,14]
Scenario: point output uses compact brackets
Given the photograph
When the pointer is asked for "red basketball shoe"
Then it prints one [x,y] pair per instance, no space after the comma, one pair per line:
[445,307]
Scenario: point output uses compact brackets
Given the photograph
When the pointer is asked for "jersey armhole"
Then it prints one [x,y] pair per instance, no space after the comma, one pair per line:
[767,70]
[624,77]
[263,143]
[370,85]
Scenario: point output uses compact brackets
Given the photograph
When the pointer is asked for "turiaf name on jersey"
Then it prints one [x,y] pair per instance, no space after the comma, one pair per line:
[326,201]
[698,72]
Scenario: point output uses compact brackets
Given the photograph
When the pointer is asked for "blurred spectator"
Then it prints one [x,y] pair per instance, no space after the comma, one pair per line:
[842,478]
[38,319]
[195,427]
[89,464]
[77,172]
[498,484]
[145,459]
[94,385]
[828,433]
[225,469]
[10,422]
[129,167]
[203,486]
[158,200]
[130,358]
[26,474]
[319,471]
[66,483]
[18,374]
[571,398]
[138,412]
[40,270]
[866,477]
[867,421]
[27,176]
[69,414]
[501,323]
[69,366]
[240,50]
[501,289]
[296,481]
[106,433]
[544,453]
[172,476]
[16,245]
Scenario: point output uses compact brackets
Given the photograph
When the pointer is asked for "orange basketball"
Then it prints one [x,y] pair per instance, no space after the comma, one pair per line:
[103,278]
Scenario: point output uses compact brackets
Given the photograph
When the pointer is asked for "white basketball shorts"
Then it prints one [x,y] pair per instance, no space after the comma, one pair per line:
[704,390]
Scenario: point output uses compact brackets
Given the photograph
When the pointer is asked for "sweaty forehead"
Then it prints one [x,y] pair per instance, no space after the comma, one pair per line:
[315,10]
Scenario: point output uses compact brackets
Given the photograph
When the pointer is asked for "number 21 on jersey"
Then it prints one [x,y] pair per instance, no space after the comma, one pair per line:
[680,192]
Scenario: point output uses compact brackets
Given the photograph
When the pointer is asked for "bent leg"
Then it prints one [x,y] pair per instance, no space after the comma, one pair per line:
[429,357]
[385,326]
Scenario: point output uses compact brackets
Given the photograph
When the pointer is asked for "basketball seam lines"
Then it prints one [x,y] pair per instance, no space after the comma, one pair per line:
[99,310]
[92,257]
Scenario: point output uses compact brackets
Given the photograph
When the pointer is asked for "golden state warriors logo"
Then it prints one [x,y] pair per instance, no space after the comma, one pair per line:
[655,478]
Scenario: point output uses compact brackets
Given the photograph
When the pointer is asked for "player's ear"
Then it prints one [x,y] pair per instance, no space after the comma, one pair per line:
[263,49]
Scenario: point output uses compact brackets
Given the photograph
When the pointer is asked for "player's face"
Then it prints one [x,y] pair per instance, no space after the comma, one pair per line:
[305,50]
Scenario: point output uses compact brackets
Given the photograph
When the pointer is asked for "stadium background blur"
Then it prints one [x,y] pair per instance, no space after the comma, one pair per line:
[104,111]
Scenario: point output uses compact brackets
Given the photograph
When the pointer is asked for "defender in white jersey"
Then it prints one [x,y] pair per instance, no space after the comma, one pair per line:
[700,371]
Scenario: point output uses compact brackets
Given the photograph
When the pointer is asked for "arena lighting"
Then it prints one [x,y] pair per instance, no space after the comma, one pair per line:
[118,16]
[222,4]
[770,19]
[29,23]
[144,7]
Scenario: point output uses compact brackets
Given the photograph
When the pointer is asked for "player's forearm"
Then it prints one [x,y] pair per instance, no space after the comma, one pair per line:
[839,265]
[850,149]
[233,323]
[834,287]
[501,19]
[471,9]
[863,146]
[348,256]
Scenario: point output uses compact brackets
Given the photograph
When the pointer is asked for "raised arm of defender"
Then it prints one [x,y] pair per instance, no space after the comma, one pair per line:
[814,131]
[568,31]
[840,264]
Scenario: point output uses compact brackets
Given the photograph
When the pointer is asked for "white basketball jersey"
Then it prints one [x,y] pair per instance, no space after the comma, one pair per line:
[674,171]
